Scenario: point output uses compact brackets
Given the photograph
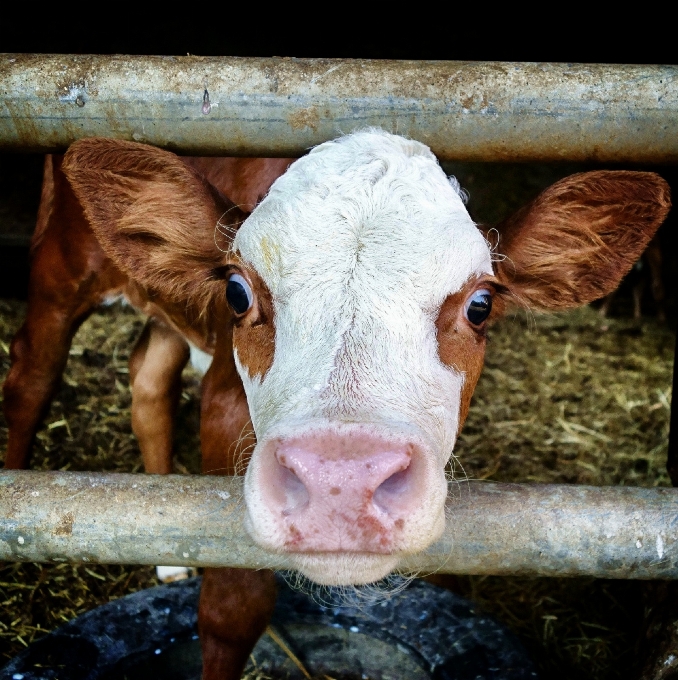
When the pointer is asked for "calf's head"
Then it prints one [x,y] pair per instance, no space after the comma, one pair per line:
[352,307]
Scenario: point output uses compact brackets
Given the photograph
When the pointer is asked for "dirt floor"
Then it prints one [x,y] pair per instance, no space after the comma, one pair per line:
[572,398]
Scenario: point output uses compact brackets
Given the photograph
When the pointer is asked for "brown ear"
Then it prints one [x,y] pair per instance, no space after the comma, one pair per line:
[155,217]
[576,241]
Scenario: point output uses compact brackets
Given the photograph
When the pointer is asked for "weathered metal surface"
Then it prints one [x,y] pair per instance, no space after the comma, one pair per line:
[235,106]
[548,530]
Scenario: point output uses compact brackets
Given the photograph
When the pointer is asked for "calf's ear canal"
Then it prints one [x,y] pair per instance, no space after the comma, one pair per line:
[155,217]
[575,242]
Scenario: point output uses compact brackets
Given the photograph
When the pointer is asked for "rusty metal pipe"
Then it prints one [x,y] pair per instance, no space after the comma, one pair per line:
[489,111]
[539,530]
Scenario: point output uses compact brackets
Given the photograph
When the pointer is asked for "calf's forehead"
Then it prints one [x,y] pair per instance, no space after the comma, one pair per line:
[369,214]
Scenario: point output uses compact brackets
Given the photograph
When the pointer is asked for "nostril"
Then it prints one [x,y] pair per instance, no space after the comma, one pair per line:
[389,493]
[296,493]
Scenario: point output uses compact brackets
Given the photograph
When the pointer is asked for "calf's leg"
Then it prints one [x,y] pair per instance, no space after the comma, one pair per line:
[235,607]
[70,276]
[155,365]
[38,356]
[235,604]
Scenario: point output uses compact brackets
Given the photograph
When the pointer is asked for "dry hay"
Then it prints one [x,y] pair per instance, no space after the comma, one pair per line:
[87,428]
[571,398]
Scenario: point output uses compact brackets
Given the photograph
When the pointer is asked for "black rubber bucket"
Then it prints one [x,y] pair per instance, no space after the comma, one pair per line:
[420,633]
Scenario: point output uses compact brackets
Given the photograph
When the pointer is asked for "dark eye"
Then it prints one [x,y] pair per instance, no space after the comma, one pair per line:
[479,306]
[238,294]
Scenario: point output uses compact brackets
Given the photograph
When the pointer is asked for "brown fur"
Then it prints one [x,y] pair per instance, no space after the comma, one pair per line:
[46,200]
[462,345]
[578,238]
[226,434]
[244,180]
[235,604]
[235,607]
[70,275]
[254,333]
[153,199]
[155,368]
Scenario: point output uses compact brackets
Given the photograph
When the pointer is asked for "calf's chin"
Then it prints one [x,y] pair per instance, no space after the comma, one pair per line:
[344,569]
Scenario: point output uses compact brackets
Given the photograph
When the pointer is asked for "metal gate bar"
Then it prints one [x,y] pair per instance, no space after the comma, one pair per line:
[490,111]
[541,530]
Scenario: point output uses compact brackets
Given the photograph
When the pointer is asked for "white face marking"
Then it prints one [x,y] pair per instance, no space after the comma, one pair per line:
[360,243]
[200,360]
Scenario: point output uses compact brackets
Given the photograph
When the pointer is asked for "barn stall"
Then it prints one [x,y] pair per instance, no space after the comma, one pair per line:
[574,398]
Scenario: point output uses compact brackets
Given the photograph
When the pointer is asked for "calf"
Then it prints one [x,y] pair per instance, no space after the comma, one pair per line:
[71,276]
[346,318]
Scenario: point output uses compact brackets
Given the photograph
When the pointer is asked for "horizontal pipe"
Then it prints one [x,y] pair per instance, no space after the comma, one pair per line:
[539,530]
[486,111]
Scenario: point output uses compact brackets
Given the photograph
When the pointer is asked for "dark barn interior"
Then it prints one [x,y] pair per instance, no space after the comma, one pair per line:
[571,398]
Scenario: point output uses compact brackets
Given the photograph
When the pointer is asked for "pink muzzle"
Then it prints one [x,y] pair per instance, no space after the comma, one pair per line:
[330,492]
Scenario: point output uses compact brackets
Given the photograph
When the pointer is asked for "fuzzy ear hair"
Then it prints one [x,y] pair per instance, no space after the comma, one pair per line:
[155,217]
[576,241]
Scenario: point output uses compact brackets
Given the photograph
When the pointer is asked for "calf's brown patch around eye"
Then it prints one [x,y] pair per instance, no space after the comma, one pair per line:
[460,346]
[226,434]
[254,333]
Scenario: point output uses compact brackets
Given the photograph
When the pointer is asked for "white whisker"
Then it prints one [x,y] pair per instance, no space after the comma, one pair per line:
[359,597]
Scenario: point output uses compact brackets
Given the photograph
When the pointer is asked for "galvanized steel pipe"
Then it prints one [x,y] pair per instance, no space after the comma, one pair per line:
[545,530]
[489,111]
